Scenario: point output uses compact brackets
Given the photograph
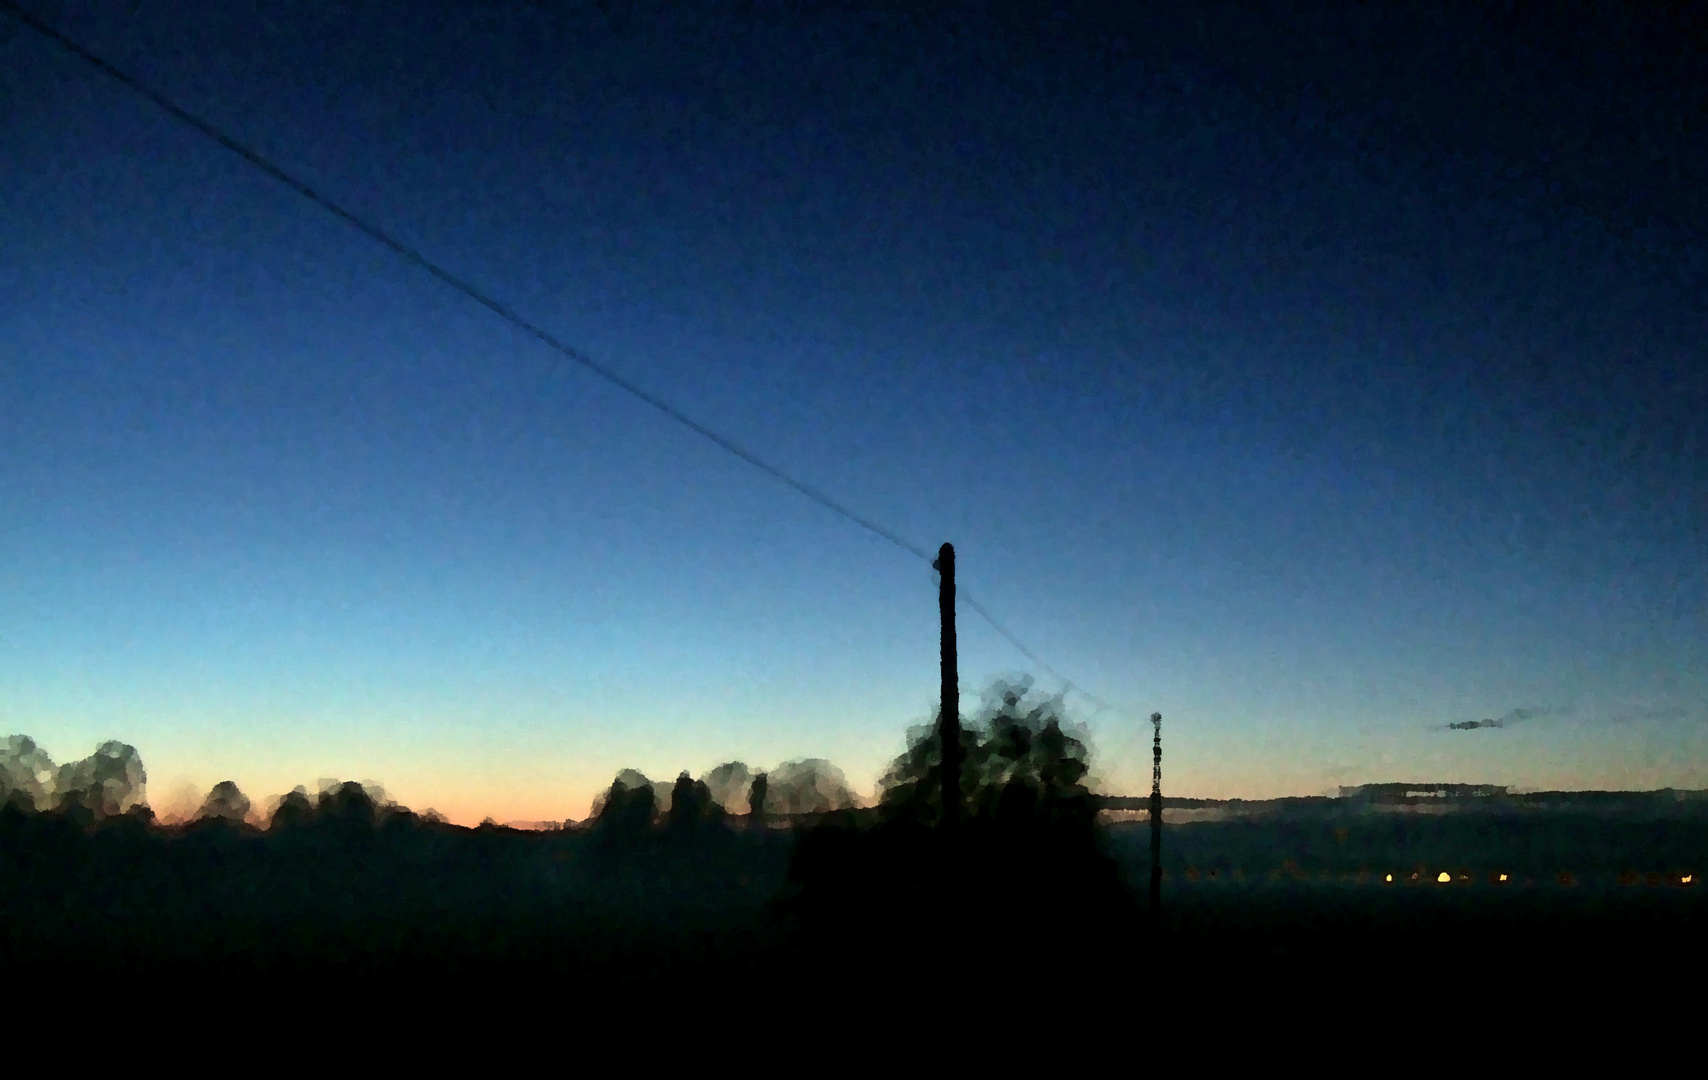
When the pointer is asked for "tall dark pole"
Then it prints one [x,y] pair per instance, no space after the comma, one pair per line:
[949,723]
[1156,814]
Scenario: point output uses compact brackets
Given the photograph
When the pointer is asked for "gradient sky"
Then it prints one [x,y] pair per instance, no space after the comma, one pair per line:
[1316,384]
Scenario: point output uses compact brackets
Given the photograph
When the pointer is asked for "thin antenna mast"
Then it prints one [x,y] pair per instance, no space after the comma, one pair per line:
[1156,814]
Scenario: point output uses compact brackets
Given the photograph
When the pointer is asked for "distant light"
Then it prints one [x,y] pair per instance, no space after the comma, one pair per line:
[1445,877]
[1503,877]
[1686,879]
[1389,878]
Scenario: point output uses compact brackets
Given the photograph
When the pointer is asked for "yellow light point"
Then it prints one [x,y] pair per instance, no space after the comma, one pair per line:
[1389,879]
[1444,877]
[1503,877]
[1687,878]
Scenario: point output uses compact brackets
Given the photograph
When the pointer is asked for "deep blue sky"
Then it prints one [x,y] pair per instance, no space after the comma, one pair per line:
[1316,384]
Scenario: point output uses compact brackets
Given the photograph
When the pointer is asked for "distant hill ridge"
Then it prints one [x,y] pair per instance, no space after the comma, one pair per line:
[1429,795]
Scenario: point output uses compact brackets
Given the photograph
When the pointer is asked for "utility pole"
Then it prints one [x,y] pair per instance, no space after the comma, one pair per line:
[949,722]
[1156,815]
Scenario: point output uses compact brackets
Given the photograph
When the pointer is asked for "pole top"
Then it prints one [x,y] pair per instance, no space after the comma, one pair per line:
[945,554]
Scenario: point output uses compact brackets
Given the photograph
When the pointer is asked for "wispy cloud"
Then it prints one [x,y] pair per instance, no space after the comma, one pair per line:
[1516,716]
[1670,713]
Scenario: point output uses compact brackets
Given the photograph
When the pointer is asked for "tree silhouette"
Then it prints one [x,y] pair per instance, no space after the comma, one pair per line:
[349,805]
[225,801]
[812,786]
[26,771]
[1019,761]
[756,799]
[1025,863]
[104,784]
[692,807]
[628,806]
[729,784]
[293,811]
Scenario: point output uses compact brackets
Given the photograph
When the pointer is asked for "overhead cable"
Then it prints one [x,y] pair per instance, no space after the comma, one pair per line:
[504,311]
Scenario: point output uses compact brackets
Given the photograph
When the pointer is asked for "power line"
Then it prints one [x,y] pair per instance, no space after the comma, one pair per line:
[1067,684]
[410,254]
[503,311]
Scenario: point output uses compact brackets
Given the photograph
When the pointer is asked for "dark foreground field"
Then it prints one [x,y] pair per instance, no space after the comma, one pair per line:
[730,910]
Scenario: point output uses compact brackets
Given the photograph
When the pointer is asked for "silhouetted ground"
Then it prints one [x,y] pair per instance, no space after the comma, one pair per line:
[398,896]
[1424,938]
[900,906]
[873,907]
[1296,907]
[862,910]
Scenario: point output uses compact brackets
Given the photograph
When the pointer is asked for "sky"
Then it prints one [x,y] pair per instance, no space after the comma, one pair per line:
[1317,382]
